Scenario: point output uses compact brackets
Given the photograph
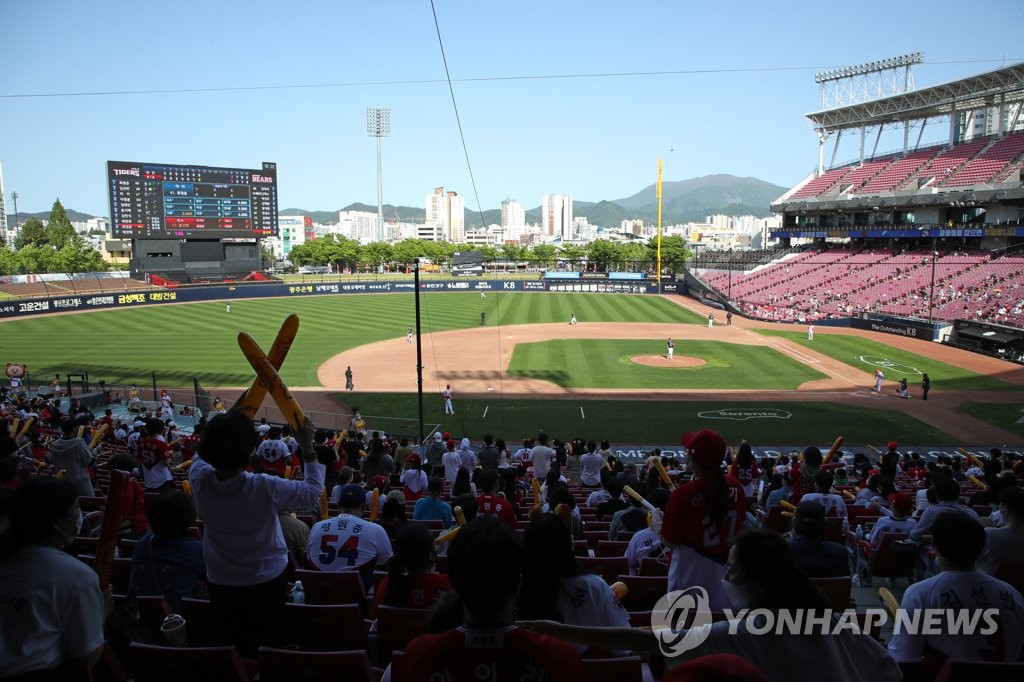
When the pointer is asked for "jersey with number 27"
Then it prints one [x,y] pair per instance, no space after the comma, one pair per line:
[348,543]
[687,522]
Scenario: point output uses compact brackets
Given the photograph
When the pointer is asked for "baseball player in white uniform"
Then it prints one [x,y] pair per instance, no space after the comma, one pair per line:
[670,347]
[879,378]
[810,332]
[447,395]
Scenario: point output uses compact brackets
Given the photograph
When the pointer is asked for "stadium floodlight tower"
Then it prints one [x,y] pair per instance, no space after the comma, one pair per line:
[849,85]
[378,125]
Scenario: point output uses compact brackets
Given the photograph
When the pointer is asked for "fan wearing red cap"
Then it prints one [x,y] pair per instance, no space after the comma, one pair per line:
[899,522]
[702,518]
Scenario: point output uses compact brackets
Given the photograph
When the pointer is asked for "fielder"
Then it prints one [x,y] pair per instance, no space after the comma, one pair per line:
[810,332]
[711,320]
[572,319]
[447,395]
[670,347]
[408,335]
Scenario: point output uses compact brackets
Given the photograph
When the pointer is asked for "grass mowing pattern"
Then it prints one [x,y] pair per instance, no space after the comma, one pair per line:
[183,341]
[1004,415]
[850,349]
[655,422]
[605,363]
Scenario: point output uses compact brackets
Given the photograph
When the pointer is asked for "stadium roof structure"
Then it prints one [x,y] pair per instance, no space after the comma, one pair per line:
[1002,86]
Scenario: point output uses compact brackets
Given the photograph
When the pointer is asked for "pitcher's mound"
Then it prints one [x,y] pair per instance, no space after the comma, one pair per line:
[662,361]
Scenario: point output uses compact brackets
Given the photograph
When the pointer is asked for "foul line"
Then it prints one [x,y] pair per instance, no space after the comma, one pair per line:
[485,412]
[583,416]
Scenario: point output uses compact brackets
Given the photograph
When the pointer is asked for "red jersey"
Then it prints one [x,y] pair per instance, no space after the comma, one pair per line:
[153,451]
[745,475]
[424,590]
[800,486]
[687,522]
[491,505]
[506,655]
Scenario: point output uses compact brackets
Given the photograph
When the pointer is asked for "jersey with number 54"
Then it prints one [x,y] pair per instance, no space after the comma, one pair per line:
[348,543]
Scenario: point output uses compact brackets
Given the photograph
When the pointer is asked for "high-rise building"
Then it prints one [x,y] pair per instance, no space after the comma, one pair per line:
[556,215]
[446,215]
[5,236]
[512,214]
[358,225]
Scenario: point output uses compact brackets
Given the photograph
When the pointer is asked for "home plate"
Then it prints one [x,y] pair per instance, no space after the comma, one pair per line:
[490,388]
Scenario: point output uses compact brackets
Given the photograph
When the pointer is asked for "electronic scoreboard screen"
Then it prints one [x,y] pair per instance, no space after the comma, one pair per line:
[164,200]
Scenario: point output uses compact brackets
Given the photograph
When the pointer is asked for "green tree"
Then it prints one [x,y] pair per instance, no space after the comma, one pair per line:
[514,253]
[407,251]
[603,254]
[59,230]
[633,257]
[77,255]
[572,253]
[544,254]
[376,254]
[32,233]
[674,253]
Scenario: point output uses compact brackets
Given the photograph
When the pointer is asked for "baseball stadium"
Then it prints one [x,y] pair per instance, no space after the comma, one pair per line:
[883,327]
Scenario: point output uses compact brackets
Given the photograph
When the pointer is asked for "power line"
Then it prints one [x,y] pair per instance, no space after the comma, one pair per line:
[434,81]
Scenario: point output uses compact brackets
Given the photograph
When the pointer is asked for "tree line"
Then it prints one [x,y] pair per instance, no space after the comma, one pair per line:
[601,255]
[53,247]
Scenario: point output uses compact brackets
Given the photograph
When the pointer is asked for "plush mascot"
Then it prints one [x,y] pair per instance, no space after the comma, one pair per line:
[16,375]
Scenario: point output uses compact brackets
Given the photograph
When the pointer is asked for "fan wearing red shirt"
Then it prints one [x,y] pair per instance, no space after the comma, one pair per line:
[803,472]
[411,582]
[701,519]
[489,504]
[744,469]
[485,563]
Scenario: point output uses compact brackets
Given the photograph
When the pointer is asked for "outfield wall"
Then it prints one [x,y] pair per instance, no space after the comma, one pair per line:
[229,292]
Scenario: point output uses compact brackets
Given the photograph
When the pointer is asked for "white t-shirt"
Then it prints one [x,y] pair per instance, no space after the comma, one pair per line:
[541,457]
[887,525]
[242,539]
[843,657]
[590,468]
[51,607]
[415,480]
[587,600]
[644,543]
[833,504]
[348,543]
[451,463]
[967,590]
[598,497]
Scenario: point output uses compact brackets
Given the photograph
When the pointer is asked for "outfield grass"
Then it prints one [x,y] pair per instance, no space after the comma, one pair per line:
[655,422]
[606,363]
[1004,415]
[183,341]
[866,354]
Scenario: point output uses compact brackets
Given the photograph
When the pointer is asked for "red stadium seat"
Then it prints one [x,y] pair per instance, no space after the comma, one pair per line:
[174,664]
[282,665]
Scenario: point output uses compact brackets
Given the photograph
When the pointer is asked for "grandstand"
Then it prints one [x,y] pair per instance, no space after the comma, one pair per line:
[930,231]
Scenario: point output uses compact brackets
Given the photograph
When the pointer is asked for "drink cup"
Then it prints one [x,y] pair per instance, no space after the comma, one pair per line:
[173,630]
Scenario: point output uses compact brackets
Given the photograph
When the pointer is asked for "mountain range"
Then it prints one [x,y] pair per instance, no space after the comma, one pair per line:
[683,201]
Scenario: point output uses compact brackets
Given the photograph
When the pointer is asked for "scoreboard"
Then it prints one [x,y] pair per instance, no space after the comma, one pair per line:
[169,201]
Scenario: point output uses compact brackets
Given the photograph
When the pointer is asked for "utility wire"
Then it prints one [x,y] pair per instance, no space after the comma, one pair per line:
[479,79]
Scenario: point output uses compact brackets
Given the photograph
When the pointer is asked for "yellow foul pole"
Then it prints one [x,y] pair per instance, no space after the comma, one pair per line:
[658,192]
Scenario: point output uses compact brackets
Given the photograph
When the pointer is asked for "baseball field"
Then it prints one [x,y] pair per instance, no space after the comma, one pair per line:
[526,368]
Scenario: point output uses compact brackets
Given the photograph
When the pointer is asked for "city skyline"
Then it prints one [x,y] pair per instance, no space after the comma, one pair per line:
[581,104]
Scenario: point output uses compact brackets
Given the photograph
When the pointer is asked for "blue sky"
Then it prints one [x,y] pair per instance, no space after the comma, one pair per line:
[595,137]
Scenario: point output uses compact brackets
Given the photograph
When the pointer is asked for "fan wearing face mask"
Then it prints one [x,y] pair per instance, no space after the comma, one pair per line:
[759,574]
[51,607]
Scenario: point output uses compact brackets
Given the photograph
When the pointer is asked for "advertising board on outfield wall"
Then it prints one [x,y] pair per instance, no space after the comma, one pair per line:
[21,308]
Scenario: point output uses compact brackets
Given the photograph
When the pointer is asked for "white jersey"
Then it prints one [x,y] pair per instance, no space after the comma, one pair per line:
[833,504]
[452,462]
[958,590]
[272,451]
[348,543]
[590,468]
[587,600]
[541,457]
[644,543]
[887,525]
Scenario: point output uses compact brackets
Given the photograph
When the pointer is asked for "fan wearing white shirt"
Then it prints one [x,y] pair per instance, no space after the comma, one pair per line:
[834,505]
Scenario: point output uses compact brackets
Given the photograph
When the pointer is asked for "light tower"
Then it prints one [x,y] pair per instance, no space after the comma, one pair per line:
[378,124]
